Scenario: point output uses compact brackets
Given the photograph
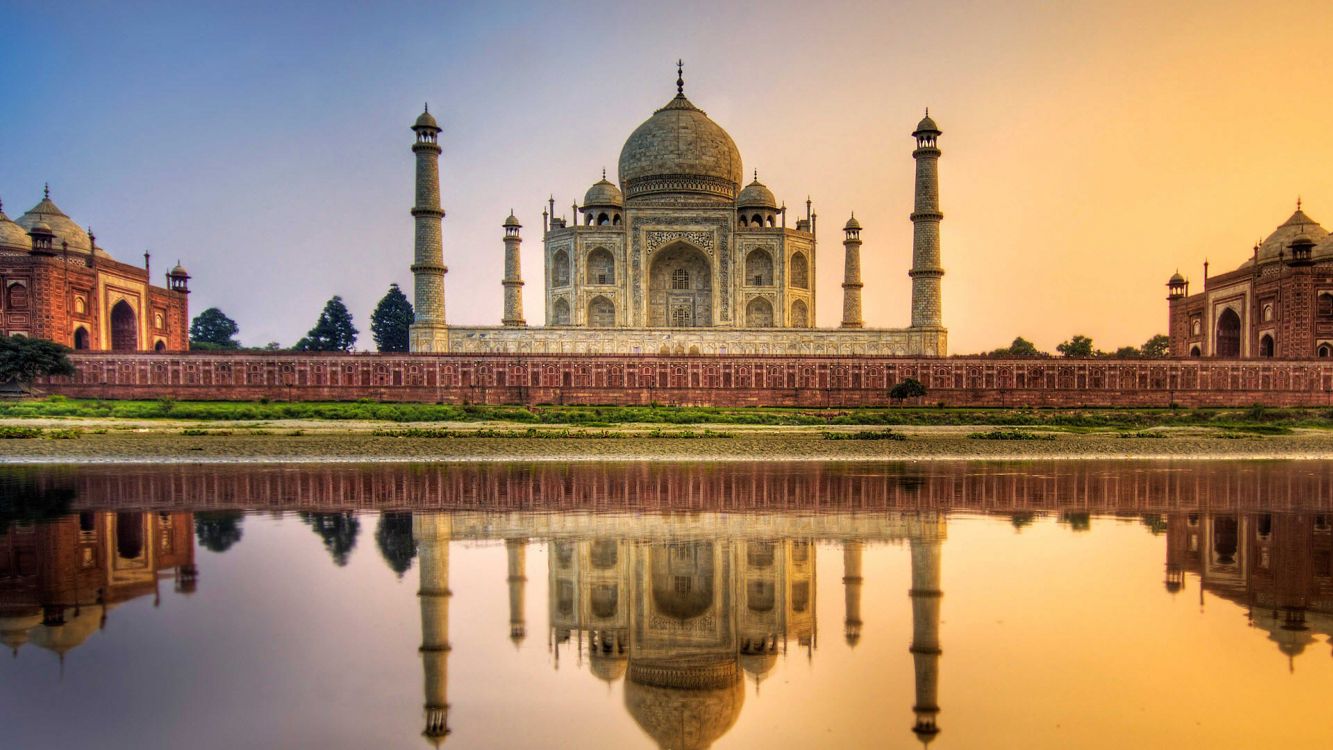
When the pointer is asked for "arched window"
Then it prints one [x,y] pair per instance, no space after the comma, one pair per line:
[587,219]
[81,338]
[605,598]
[601,313]
[1228,334]
[160,346]
[769,221]
[1268,313]
[1265,346]
[1195,351]
[560,313]
[17,297]
[1196,327]
[603,220]
[80,306]
[757,220]
[1325,305]
[680,278]
[759,268]
[159,321]
[1325,351]
[800,271]
[681,317]
[745,222]
[800,315]
[124,328]
[601,267]
[560,269]
[759,313]
[615,220]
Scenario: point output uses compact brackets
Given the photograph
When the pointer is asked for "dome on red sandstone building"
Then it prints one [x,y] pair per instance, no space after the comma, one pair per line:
[1277,245]
[12,235]
[66,230]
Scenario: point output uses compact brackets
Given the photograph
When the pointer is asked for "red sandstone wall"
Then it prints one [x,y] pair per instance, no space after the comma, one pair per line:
[694,380]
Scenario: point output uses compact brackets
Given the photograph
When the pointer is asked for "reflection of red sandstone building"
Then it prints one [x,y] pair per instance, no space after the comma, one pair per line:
[1279,303]
[1278,566]
[58,580]
[57,284]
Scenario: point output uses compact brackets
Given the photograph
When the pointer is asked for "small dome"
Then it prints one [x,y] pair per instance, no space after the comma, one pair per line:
[756,195]
[512,220]
[927,125]
[1176,278]
[607,667]
[41,227]
[852,223]
[426,120]
[11,234]
[603,193]
[179,270]
[758,665]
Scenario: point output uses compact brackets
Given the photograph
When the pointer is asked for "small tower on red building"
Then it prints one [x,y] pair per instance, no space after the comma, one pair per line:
[178,280]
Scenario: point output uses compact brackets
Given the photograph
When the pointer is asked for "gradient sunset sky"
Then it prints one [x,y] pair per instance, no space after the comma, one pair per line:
[1090,148]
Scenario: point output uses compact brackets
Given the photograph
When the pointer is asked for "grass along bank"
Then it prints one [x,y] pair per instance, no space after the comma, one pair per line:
[1255,419]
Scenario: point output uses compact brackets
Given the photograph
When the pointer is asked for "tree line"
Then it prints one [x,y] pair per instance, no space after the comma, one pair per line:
[334,330]
[1081,347]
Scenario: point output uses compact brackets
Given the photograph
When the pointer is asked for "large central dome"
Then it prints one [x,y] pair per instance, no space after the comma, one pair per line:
[680,150]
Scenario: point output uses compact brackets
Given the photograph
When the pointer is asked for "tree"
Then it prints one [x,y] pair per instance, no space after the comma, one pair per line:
[390,320]
[1157,347]
[26,499]
[909,388]
[218,530]
[23,360]
[1127,352]
[1079,346]
[339,532]
[1020,348]
[333,332]
[393,534]
[212,329]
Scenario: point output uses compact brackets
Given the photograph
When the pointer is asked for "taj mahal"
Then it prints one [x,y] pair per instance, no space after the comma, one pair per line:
[679,258]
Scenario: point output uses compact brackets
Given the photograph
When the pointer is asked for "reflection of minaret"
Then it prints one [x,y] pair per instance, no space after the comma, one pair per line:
[517,549]
[432,533]
[851,580]
[926,595]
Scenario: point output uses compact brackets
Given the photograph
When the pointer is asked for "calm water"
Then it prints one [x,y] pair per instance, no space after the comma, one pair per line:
[804,605]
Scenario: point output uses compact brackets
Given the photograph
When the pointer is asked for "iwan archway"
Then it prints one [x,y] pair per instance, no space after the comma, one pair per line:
[680,288]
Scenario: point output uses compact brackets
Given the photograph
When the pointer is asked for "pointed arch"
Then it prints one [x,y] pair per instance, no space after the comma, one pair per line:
[560,312]
[601,313]
[600,267]
[759,313]
[759,268]
[81,338]
[124,328]
[1228,334]
[800,314]
[560,268]
[800,271]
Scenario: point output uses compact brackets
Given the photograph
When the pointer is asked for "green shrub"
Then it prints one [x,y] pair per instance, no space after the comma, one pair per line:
[1010,435]
[15,432]
[865,435]
[62,434]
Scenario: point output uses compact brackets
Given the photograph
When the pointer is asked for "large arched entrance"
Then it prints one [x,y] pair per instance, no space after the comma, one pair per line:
[1228,334]
[680,288]
[124,328]
[682,579]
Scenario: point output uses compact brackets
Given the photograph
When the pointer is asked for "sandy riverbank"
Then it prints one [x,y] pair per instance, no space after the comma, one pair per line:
[166,441]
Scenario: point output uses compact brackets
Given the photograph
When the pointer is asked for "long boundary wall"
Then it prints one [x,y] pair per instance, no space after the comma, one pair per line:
[708,380]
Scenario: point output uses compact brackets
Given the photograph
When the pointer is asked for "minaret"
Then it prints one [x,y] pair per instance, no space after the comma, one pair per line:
[926,594]
[851,582]
[432,532]
[926,216]
[428,332]
[513,279]
[517,550]
[851,279]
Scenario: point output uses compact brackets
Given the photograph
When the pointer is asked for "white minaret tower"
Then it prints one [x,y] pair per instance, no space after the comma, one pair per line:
[428,332]
[851,280]
[926,216]
[517,552]
[851,582]
[926,595]
[432,532]
[513,278]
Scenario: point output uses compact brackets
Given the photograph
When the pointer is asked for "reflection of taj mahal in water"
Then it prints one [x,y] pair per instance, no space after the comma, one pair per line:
[681,610]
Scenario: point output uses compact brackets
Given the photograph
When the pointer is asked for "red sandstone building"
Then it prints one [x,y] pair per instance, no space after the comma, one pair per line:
[57,284]
[1278,304]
